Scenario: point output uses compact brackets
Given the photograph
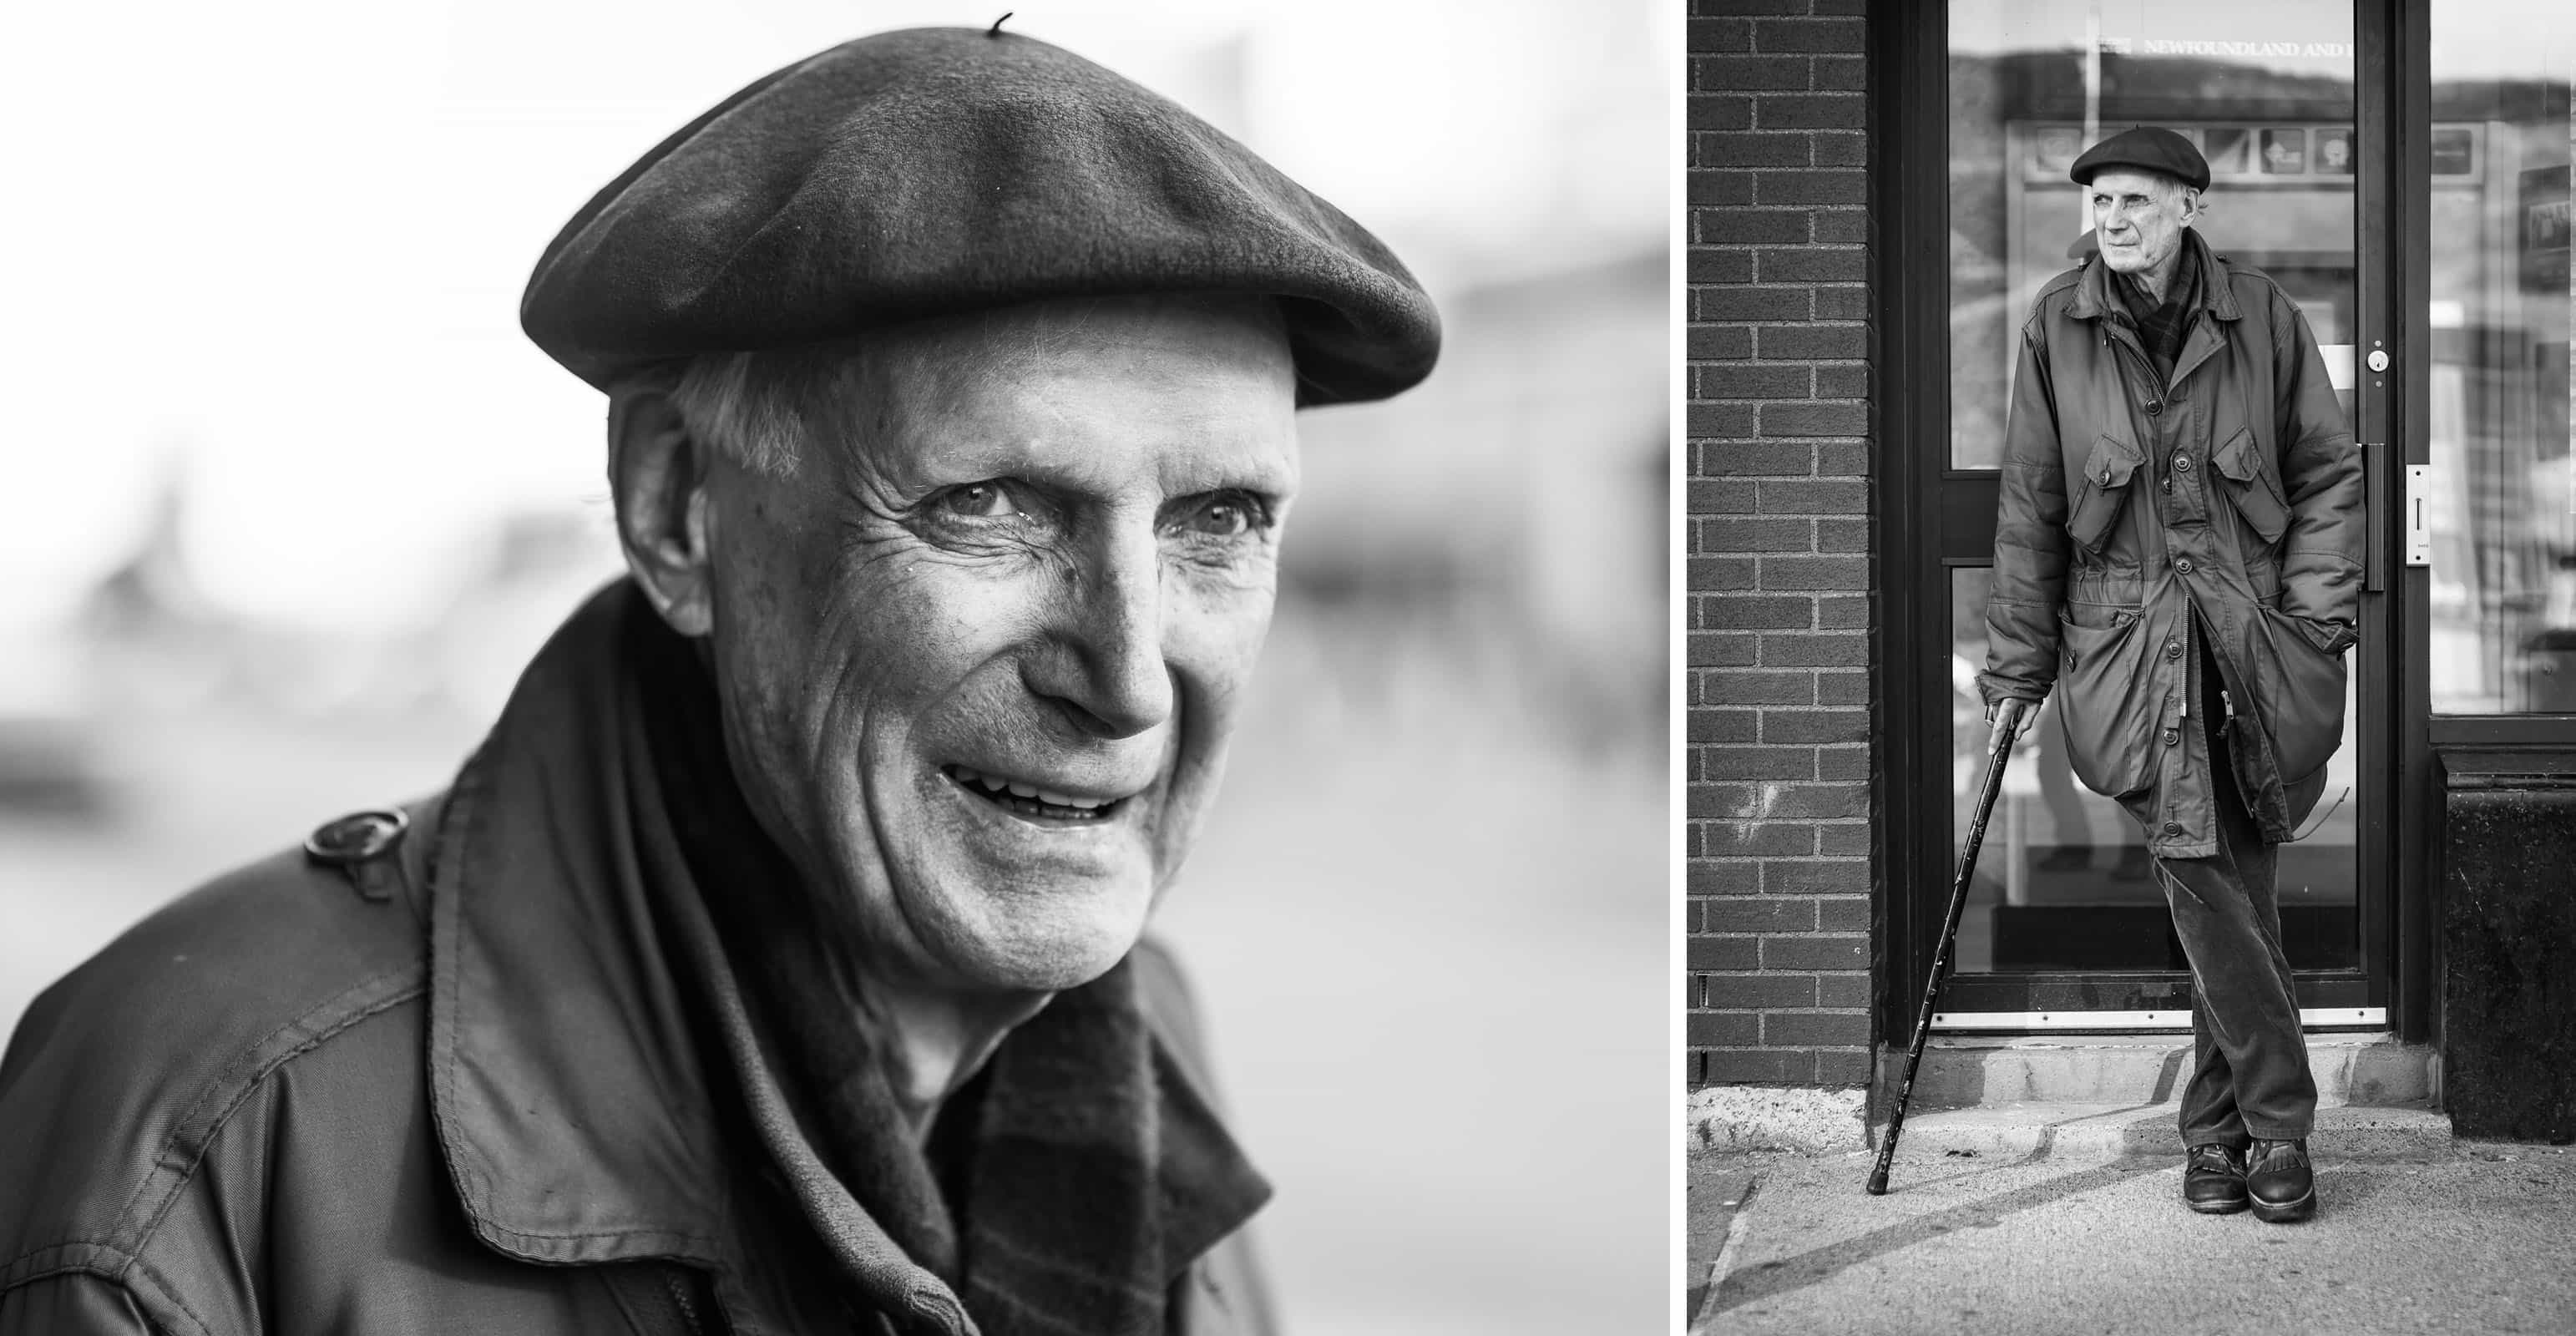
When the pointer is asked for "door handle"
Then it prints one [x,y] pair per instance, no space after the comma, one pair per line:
[2374,557]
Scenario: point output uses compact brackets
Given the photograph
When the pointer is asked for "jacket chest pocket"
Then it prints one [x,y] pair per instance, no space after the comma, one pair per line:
[2253,485]
[2101,492]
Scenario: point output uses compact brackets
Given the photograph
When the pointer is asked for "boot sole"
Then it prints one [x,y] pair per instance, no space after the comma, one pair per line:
[2219,1207]
[2288,1212]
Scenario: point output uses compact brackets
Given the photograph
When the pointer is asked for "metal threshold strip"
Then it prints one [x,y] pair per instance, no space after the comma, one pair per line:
[2335,1018]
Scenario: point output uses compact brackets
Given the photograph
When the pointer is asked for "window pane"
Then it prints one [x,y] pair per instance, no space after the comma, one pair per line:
[2502,508]
[2033,83]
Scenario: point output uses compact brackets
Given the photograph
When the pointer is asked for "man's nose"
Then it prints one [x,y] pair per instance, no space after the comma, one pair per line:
[1110,674]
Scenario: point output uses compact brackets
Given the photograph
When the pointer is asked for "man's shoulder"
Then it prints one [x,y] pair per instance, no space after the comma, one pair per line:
[119,1076]
[2056,297]
[226,965]
[2254,290]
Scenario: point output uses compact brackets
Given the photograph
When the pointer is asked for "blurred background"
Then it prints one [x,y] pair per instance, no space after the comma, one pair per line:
[297,501]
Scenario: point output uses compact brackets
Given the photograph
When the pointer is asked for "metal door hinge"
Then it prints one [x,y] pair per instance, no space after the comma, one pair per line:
[2419,506]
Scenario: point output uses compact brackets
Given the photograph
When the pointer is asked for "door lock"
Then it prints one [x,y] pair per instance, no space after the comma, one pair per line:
[2378,360]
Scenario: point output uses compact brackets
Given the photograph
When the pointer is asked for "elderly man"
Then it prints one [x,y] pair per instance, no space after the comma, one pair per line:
[776,963]
[2178,551]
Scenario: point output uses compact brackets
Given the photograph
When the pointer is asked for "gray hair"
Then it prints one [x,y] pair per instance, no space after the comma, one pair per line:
[754,408]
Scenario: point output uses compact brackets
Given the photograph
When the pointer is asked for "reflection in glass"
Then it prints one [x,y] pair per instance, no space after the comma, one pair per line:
[2265,90]
[2502,507]
[2063,882]
[2267,93]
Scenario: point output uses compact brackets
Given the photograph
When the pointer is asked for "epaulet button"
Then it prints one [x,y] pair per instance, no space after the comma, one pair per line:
[358,844]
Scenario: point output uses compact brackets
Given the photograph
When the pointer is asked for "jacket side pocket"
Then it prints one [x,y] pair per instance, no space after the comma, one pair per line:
[2300,691]
[2101,492]
[2106,703]
[2254,488]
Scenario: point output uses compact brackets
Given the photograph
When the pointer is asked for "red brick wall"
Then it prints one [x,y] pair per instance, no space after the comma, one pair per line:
[1780,588]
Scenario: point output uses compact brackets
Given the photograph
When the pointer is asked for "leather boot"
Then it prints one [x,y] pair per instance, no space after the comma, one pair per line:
[2278,1179]
[2213,1179]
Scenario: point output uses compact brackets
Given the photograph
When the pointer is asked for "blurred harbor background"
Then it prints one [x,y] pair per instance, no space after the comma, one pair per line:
[298,501]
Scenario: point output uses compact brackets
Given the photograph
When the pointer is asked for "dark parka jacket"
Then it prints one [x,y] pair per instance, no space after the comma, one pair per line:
[465,1087]
[2140,519]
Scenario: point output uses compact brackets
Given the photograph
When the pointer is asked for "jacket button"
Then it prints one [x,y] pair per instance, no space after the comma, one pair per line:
[2173,828]
[2173,649]
[2183,565]
[356,837]
[2173,736]
[2155,406]
[2182,463]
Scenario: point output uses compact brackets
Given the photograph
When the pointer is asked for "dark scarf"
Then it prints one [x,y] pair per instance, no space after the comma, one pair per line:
[2162,326]
[1065,1188]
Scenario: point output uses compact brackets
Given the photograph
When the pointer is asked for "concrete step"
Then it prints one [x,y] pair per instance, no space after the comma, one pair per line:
[1967,1071]
[2020,1129]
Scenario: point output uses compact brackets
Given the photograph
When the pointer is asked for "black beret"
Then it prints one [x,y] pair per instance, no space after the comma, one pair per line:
[942,170]
[2149,148]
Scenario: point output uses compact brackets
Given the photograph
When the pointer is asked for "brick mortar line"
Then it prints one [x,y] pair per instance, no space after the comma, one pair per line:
[1771,1011]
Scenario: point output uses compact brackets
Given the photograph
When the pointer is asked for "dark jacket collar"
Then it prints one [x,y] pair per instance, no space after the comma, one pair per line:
[570,1053]
[2096,298]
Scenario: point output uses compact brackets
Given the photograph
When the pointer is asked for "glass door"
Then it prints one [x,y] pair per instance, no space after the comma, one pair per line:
[2066,926]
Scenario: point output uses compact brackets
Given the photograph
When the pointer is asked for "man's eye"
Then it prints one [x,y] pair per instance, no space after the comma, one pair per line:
[1224,515]
[979,500]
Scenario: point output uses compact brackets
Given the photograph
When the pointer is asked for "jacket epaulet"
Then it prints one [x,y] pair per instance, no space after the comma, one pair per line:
[362,844]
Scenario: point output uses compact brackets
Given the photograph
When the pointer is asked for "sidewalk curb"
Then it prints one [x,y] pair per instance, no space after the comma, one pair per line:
[1775,1118]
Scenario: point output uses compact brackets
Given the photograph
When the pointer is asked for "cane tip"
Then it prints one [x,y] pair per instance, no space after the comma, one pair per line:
[1878,1184]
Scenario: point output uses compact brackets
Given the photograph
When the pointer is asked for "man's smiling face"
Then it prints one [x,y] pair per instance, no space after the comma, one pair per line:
[981,651]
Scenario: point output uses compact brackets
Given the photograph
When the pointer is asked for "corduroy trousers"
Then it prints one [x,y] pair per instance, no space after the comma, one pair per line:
[2250,1074]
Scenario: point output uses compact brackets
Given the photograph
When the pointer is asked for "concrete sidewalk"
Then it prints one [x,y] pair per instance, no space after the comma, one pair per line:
[2450,1237]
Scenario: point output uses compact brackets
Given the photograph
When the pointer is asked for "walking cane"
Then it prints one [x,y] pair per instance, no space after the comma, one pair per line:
[1996,756]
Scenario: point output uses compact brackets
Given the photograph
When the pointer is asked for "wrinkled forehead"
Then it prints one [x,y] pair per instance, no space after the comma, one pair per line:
[2119,181]
[1207,381]
[1169,341]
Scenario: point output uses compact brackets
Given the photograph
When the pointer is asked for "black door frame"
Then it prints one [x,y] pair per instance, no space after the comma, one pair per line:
[1909,128]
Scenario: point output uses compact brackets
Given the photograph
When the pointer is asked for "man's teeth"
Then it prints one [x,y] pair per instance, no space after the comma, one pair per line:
[1019,790]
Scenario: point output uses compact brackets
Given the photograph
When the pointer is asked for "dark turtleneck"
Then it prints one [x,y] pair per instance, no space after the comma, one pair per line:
[2162,326]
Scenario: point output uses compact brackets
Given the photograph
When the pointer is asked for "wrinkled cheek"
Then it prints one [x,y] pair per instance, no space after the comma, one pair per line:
[1215,670]
[1214,647]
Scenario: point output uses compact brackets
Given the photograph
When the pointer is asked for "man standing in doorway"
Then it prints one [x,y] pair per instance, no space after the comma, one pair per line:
[2178,551]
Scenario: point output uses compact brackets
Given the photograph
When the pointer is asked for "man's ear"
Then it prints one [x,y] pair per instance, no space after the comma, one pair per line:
[657,476]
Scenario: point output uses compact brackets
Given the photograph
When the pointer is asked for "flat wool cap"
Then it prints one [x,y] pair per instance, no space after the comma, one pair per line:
[935,171]
[2150,148]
